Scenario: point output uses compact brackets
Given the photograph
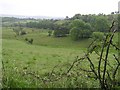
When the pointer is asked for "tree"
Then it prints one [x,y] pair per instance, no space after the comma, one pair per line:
[112,12]
[77,23]
[59,33]
[18,30]
[80,29]
[101,24]
[61,28]
[49,33]
[74,33]
[66,17]
[76,16]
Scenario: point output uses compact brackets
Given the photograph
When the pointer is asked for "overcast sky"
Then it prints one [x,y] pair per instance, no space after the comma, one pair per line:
[60,8]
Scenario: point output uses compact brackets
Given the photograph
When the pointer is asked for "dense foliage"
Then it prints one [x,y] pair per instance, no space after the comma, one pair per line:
[80,29]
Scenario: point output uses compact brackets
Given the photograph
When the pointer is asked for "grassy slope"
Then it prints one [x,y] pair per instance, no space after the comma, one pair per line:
[36,55]
[42,56]
[44,51]
[40,38]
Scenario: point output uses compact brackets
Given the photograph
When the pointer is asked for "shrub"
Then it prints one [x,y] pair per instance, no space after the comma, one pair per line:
[49,33]
[23,33]
[26,39]
[74,33]
[59,33]
[98,35]
[30,41]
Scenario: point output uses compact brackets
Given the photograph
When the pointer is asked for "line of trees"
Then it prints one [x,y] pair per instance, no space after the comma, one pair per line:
[78,27]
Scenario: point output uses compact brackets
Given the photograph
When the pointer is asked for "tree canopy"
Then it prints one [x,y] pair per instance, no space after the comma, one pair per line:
[80,29]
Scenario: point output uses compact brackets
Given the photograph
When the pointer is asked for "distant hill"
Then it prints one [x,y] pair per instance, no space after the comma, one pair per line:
[35,17]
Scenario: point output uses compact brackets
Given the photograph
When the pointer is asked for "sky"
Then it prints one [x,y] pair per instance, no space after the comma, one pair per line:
[58,8]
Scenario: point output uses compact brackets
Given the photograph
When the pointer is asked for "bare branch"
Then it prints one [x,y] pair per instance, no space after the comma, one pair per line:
[99,64]
[85,70]
[74,63]
[115,71]
[117,48]
[53,69]
[109,75]
[106,57]
[116,58]
[92,67]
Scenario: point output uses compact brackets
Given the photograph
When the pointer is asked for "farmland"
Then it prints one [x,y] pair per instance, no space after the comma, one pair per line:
[40,57]
[23,61]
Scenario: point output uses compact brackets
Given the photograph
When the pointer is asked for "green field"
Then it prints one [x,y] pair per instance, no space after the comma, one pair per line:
[21,58]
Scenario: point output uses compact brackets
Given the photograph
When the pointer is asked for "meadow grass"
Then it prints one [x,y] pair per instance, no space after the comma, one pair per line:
[20,57]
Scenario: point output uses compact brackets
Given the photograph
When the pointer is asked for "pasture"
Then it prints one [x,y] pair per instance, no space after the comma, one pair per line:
[24,63]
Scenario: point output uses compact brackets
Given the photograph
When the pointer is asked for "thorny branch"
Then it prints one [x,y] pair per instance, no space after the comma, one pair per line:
[106,58]
[92,67]
[74,63]
[115,71]
[101,75]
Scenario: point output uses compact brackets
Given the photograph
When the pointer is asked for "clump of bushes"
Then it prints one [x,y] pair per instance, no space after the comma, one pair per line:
[29,41]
